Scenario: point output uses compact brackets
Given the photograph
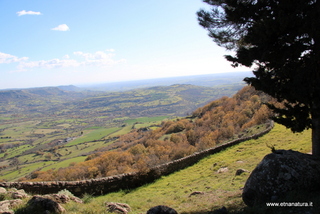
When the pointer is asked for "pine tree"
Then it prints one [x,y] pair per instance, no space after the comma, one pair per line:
[280,41]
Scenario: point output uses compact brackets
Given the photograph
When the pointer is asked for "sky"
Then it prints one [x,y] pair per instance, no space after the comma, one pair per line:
[74,42]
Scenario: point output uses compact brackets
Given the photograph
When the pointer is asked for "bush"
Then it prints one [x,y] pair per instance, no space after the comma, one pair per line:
[87,198]
[65,192]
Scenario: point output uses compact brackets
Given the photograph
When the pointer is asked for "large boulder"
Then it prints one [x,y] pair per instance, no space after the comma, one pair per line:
[39,203]
[279,173]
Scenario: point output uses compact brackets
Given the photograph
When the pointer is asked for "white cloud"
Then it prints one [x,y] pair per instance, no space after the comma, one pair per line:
[8,58]
[62,27]
[53,63]
[97,59]
[23,12]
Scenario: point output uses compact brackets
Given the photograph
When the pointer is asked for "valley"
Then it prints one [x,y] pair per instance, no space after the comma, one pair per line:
[51,127]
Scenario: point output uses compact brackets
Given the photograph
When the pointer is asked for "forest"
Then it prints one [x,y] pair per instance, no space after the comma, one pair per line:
[143,148]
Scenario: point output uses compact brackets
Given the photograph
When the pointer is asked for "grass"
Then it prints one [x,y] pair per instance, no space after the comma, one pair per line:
[64,163]
[220,189]
[95,134]
[146,119]
[23,170]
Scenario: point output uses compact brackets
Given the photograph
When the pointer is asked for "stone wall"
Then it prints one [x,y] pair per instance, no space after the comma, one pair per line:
[105,185]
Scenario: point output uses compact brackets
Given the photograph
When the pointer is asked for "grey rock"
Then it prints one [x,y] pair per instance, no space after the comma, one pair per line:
[18,194]
[120,208]
[223,169]
[279,173]
[161,209]
[240,171]
[3,190]
[196,193]
[39,202]
[5,206]
[222,210]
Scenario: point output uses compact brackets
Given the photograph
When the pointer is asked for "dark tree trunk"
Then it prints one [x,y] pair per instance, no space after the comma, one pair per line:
[316,137]
[315,111]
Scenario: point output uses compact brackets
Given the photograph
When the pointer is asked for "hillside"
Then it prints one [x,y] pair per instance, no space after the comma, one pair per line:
[45,128]
[177,99]
[220,189]
[31,101]
[145,147]
[216,188]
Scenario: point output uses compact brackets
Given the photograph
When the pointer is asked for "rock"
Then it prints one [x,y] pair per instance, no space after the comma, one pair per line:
[18,194]
[118,207]
[222,210]
[6,211]
[45,204]
[223,169]
[2,190]
[76,199]
[280,172]
[6,205]
[240,171]
[59,198]
[63,198]
[161,210]
[196,193]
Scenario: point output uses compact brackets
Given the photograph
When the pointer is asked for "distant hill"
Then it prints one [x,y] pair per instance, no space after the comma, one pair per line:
[39,93]
[70,88]
[208,80]
[178,99]
[37,99]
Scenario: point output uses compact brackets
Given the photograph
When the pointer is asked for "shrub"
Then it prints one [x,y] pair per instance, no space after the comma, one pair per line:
[87,198]
[65,192]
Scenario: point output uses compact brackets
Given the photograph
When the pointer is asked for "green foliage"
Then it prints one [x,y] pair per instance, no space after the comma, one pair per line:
[280,40]
[87,198]
[65,192]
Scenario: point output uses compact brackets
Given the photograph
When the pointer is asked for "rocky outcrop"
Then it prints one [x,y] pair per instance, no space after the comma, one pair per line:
[18,194]
[36,204]
[6,205]
[42,204]
[279,173]
[161,209]
[114,207]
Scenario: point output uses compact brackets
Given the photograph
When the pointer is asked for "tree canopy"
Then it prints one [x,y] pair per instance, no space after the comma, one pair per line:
[280,41]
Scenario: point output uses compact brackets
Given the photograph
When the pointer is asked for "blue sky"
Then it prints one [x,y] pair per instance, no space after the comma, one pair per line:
[62,42]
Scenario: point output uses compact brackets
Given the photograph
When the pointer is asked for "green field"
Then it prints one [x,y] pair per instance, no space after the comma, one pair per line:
[41,153]
[93,135]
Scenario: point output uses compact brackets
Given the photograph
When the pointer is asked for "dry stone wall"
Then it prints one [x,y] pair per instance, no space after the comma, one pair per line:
[105,185]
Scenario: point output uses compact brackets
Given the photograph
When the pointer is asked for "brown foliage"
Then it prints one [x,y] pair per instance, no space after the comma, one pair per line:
[138,151]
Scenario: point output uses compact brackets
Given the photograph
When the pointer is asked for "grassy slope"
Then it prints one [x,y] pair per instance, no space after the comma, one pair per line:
[221,189]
